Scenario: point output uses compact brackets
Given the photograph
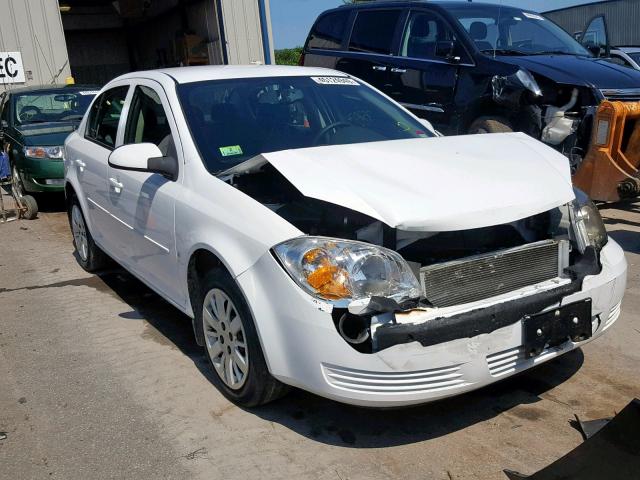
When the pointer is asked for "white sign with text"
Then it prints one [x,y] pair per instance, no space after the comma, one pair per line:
[11,68]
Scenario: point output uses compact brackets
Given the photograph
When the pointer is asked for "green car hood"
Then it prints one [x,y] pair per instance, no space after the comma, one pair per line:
[46,134]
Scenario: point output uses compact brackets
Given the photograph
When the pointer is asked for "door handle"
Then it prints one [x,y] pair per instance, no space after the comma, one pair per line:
[379,68]
[398,70]
[81,165]
[116,185]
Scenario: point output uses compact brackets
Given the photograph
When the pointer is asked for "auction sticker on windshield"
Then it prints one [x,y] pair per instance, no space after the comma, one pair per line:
[231,150]
[334,81]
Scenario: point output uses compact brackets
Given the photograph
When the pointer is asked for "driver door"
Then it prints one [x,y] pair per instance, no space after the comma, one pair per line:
[144,201]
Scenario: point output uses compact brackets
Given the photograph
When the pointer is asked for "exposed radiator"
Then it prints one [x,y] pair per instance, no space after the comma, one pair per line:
[484,276]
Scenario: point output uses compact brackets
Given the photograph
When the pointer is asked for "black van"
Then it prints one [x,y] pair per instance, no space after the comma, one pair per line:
[474,67]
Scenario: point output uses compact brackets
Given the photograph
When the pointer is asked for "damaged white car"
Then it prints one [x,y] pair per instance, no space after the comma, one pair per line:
[321,236]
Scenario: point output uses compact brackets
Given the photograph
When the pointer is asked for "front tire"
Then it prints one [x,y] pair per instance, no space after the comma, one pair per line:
[90,256]
[231,343]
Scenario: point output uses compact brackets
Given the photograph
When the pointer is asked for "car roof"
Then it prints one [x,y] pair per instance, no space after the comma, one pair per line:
[227,72]
[628,49]
[405,3]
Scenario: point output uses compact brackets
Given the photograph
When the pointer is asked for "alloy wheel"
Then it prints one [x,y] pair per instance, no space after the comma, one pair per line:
[79,233]
[225,339]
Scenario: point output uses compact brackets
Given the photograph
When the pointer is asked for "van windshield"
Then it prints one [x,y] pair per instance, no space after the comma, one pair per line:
[234,120]
[511,31]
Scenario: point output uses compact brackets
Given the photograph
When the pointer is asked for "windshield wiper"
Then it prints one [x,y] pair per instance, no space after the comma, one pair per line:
[505,51]
[552,52]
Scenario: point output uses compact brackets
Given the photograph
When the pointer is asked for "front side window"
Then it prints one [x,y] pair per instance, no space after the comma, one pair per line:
[328,31]
[234,120]
[511,31]
[423,32]
[635,57]
[147,122]
[373,31]
[104,116]
[51,106]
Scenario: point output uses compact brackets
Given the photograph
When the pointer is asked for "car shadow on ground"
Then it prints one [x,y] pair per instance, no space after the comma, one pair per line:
[333,423]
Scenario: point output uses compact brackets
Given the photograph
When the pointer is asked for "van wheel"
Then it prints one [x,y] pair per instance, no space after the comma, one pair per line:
[90,256]
[490,125]
[30,205]
[231,343]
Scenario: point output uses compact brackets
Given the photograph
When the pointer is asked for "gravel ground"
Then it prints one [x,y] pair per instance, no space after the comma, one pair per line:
[100,378]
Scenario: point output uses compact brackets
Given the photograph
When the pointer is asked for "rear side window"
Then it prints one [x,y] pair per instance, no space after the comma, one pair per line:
[105,116]
[373,31]
[329,30]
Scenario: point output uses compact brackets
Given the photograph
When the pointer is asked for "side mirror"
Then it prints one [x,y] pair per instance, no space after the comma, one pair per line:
[144,157]
[596,50]
[446,49]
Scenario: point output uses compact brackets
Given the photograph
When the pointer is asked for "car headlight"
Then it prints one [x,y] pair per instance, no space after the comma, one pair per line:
[44,152]
[587,222]
[334,269]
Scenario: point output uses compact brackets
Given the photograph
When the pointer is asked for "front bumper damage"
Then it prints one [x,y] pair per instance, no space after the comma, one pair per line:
[470,349]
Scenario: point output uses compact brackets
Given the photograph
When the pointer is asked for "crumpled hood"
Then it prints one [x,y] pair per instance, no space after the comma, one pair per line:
[432,184]
[576,70]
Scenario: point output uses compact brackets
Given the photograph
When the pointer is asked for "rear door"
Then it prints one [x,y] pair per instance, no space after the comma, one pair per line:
[145,202]
[425,78]
[89,156]
[373,40]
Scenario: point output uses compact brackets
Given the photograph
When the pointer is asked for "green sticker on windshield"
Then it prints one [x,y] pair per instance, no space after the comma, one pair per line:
[231,150]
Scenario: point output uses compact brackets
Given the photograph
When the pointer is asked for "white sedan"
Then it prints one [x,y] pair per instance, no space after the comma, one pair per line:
[321,236]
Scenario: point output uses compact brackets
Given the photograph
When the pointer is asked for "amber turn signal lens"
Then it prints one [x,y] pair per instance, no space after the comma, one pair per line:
[330,282]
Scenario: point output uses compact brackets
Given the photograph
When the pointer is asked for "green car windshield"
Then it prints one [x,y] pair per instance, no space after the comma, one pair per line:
[234,120]
[52,106]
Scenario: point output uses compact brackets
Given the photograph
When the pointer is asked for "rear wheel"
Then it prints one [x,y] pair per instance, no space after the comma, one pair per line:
[490,125]
[90,256]
[232,344]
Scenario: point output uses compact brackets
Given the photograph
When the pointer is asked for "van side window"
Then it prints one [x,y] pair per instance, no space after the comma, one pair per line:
[373,31]
[424,30]
[104,116]
[147,122]
[329,30]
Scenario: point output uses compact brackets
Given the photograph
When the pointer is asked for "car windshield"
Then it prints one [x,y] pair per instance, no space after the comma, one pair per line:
[511,31]
[234,120]
[635,56]
[52,106]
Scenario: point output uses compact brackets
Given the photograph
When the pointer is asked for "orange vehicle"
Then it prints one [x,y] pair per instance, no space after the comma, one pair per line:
[610,170]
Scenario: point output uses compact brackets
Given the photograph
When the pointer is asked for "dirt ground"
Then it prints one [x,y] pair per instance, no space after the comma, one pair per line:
[100,378]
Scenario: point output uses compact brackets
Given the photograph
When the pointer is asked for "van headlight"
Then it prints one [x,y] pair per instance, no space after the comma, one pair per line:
[587,223]
[334,269]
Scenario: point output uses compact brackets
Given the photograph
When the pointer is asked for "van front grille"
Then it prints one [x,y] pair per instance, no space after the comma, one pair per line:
[484,276]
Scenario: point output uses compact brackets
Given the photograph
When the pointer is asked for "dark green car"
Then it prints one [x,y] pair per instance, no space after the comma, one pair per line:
[35,122]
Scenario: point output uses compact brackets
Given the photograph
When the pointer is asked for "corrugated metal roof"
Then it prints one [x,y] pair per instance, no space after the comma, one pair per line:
[622,17]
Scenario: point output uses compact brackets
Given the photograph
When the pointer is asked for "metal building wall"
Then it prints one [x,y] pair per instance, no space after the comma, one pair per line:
[622,16]
[243,31]
[34,28]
